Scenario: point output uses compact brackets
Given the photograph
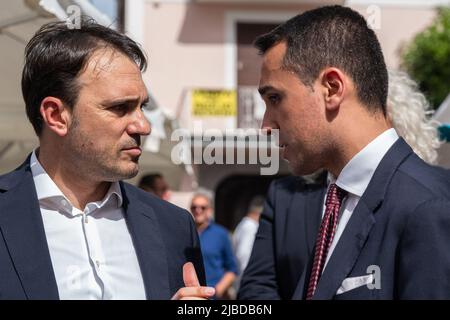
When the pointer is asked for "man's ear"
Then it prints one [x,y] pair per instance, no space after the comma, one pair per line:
[55,115]
[333,82]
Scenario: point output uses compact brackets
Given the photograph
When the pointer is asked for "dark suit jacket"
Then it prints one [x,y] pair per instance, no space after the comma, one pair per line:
[401,224]
[164,238]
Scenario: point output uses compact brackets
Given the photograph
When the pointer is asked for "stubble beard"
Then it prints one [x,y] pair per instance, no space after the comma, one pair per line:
[306,163]
[93,161]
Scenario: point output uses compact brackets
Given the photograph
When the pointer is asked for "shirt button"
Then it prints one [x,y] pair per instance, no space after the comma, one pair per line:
[97,263]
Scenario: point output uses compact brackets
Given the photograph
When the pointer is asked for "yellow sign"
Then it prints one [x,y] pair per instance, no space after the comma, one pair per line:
[214,103]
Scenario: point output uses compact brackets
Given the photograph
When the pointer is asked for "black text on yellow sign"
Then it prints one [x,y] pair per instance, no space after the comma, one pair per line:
[214,103]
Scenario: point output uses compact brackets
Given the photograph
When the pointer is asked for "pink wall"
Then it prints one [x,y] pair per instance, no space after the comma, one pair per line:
[175,61]
[398,26]
[186,45]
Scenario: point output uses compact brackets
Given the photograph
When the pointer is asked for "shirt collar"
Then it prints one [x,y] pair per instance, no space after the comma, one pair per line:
[45,187]
[357,173]
[113,189]
[47,190]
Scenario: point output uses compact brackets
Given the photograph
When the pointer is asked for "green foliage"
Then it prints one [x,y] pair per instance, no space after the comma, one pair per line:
[427,58]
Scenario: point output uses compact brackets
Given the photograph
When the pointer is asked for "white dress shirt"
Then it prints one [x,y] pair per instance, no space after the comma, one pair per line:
[355,177]
[92,252]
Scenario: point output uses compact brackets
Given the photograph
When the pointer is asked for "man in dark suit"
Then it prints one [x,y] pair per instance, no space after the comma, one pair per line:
[70,228]
[384,228]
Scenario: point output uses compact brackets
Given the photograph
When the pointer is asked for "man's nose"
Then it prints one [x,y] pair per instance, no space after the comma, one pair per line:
[266,124]
[139,124]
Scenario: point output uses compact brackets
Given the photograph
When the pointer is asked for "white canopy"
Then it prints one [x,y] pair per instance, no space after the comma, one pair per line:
[18,22]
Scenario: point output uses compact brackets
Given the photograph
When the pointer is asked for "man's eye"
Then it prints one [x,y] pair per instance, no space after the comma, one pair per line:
[119,109]
[144,106]
[274,98]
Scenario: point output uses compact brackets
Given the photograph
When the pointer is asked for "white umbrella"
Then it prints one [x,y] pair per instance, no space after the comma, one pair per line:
[19,20]
[18,23]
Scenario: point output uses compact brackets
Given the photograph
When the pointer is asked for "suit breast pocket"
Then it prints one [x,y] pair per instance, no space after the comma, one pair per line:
[360,293]
[356,288]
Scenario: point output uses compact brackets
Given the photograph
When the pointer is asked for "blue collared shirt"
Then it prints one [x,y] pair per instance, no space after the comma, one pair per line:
[217,254]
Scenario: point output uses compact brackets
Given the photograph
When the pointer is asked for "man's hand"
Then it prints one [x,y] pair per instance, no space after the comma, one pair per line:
[192,289]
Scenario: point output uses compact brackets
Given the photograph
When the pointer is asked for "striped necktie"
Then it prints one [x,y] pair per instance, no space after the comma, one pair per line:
[325,237]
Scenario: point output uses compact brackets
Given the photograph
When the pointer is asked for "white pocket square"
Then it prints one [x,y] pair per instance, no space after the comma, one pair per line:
[355,282]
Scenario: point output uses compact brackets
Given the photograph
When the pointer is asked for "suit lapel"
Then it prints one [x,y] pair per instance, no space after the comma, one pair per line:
[23,231]
[150,250]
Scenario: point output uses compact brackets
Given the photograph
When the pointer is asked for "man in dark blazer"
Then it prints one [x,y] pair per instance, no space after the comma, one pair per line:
[284,244]
[70,228]
[391,238]
[26,270]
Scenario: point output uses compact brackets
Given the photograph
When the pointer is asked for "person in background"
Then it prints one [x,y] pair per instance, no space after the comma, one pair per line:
[410,114]
[244,234]
[155,184]
[220,264]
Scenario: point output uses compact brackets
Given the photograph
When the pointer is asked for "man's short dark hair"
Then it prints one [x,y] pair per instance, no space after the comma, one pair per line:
[56,55]
[333,36]
[147,182]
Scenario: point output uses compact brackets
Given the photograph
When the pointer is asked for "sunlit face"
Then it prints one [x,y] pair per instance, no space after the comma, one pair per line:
[103,140]
[201,210]
[296,110]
